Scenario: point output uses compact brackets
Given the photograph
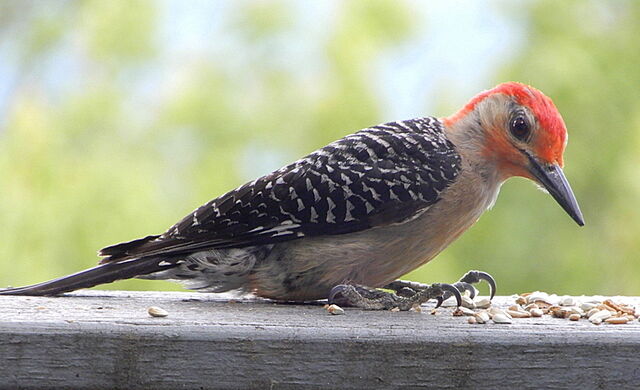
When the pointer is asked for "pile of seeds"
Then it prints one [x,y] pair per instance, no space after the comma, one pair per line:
[488,313]
[597,310]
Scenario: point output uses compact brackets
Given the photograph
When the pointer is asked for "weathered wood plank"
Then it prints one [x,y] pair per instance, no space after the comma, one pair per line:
[98,339]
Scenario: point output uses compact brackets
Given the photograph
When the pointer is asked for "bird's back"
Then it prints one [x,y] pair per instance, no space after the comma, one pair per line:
[378,176]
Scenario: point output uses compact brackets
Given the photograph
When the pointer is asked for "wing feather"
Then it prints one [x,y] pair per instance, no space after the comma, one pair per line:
[378,176]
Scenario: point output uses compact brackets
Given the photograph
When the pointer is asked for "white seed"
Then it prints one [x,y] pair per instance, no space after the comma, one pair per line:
[466,311]
[603,314]
[155,311]
[538,296]
[472,320]
[536,312]
[567,301]
[592,312]
[596,321]
[336,310]
[575,310]
[600,316]
[542,298]
[531,306]
[468,302]
[617,320]
[501,319]
[451,302]
[586,306]
[518,313]
[574,317]
[395,309]
[482,317]
[482,303]
[494,311]
[595,300]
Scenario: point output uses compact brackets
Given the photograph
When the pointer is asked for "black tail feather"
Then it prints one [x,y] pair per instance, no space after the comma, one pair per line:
[123,249]
[104,273]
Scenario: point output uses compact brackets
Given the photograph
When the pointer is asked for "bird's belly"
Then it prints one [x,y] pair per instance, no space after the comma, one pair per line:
[307,269]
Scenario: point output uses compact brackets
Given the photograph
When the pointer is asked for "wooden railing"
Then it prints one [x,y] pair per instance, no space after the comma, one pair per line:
[107,339]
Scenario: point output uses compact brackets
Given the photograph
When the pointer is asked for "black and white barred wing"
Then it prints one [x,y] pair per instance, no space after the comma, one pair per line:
[381,175]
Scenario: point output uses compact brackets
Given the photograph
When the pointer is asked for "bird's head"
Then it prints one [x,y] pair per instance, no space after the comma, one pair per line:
[520,130]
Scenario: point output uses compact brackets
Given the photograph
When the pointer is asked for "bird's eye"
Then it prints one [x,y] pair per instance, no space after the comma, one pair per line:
[519,127]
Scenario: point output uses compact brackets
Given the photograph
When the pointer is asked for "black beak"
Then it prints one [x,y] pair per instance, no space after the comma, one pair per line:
[552,178]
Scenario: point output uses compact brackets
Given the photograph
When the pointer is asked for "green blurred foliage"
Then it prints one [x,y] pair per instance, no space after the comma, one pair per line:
[99,162]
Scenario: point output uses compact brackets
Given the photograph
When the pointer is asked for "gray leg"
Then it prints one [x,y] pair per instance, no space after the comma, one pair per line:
[405,288]
[372,299]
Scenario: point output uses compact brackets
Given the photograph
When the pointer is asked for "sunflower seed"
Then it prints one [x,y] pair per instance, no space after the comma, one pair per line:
[567,301]
[586,306]
[468,302]
[501,318]
[155,311]
[482,317]
[335,310]
[600,316]
[521,301]
[518,313]
[482,303]
[592,312]
[535,312]
[617,320]
[463,311]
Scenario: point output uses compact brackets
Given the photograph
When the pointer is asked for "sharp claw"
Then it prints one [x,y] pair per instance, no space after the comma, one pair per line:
[468,287]
[440,300]
[476,276]
[489,279]
[335,291]
[454,291]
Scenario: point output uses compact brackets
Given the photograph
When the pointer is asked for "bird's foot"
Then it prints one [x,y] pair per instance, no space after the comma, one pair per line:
[467,281]
[374,299]
[407,288]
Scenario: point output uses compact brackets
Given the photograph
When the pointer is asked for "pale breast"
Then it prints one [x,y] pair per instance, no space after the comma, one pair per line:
[376,256]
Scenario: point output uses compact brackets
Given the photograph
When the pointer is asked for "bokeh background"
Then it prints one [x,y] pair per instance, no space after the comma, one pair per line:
[117,118]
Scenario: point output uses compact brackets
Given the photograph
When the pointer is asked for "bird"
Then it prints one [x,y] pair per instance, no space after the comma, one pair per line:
[346,221]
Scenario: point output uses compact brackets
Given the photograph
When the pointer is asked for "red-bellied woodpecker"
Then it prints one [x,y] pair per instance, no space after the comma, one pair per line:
[362,211]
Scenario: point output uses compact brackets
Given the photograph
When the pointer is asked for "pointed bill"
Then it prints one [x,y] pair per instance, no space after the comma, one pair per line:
[551,177]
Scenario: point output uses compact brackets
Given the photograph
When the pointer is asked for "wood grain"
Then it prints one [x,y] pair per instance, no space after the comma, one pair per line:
[106,339]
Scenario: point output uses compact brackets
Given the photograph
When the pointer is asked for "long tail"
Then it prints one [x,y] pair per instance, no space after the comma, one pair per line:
[105,273]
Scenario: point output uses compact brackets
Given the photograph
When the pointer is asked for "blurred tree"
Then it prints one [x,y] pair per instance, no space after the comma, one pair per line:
[585,56]
[112,128]
[108,157]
